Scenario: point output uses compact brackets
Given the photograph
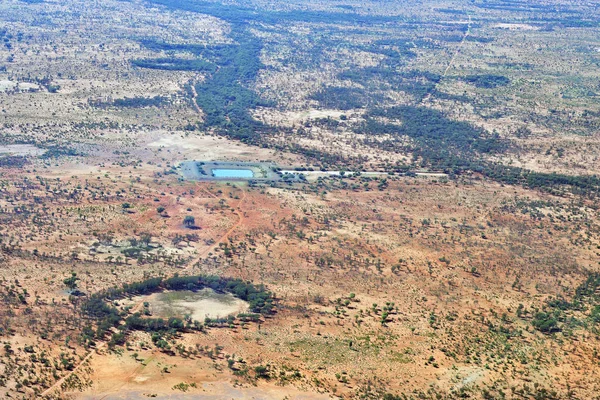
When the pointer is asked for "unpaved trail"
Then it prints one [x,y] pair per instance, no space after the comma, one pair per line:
[240,214]
[238,209]
[459,48]
[194,97]
[59,382]
[452,60]
[135,372]
[224,237]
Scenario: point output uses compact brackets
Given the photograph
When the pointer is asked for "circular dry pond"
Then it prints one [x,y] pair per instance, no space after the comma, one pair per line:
[196,304]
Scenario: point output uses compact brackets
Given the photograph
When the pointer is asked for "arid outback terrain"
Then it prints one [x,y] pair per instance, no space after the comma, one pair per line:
[443,243]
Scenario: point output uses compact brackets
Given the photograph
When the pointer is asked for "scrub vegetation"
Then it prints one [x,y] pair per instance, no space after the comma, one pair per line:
[421,222]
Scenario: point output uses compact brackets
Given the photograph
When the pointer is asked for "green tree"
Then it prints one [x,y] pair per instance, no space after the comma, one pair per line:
[261,371]
[71,281]
[189,221]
